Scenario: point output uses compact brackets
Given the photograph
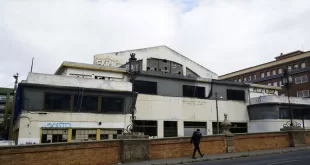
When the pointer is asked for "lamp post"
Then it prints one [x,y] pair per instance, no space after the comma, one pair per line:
[217,114]
[287,81]
[133,69]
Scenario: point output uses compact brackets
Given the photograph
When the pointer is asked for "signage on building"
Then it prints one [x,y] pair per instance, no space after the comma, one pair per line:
[261,90]
[108,60]
[66,124]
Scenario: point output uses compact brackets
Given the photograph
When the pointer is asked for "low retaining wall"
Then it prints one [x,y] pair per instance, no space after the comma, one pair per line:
[130,150]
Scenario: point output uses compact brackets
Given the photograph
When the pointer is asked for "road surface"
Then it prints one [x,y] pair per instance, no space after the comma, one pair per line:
[291,158]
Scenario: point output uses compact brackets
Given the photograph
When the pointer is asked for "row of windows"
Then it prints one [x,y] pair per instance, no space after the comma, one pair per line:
[269,73]
[82,103]
[303,93]
[298,80]
[147,87]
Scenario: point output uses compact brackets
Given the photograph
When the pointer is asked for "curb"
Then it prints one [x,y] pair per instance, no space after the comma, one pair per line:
[232,157]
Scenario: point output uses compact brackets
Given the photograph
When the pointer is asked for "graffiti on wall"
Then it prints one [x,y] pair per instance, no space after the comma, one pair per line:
[58,125]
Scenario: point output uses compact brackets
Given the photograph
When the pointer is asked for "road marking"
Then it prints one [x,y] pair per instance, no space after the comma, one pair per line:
[290,161]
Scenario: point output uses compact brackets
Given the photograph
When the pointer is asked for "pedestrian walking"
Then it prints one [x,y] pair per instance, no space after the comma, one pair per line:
[196,141]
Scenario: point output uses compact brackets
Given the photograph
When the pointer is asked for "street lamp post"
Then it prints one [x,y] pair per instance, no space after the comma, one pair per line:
[133,69]
[217,114]
[287,81]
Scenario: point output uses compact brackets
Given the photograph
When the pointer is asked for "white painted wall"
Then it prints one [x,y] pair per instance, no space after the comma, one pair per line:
[271,125]
[162,108]
[29,123]
[161,52]
[49,79]
[76,71]
[280,99]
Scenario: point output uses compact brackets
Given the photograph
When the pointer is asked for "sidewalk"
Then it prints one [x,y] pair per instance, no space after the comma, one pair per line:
[174,161]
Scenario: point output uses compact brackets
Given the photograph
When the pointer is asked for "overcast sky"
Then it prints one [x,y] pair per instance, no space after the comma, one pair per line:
[222,35]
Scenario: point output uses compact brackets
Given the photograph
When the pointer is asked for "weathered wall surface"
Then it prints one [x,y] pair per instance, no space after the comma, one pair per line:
[102,152]
[263,141]
[116,151]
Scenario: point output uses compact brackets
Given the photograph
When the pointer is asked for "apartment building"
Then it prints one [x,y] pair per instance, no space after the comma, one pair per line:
[297,63]
[6,101]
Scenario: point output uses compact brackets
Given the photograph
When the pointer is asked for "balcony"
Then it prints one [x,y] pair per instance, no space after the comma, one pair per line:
[279,99]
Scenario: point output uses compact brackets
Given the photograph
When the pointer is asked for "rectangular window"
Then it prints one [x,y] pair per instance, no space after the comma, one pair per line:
[275,84]
[193,91]
[235,95]
[304,93]
[280,71]
[57,101]
[250,78]
[190,127]
[274,72]
[280,84]
[296,66]
[268,73]
[170,129]
[289,68]
[303,65]
[284,113]
[269,84]
[262,75]
[244,79]
[254,76]
[239,79]
[301,79]
[54,136]
[109,134]
[113,105]
[84,134]
[84,103]
[145,87]
[146,126]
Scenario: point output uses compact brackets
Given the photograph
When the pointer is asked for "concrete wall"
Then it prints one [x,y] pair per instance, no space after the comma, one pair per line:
[117,76]
[160,52]
[180,109]
[110,151]
[271,125]
[30,123]
[46,79]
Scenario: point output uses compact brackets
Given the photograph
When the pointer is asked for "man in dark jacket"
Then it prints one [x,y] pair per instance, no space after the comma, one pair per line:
[196,141]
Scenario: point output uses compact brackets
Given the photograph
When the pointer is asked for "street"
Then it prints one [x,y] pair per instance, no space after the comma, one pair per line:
[292,158]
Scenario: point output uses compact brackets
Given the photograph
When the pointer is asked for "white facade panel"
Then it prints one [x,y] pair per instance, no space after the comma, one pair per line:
[57,80]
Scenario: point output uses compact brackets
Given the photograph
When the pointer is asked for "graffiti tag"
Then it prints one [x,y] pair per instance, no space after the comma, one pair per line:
[58,125]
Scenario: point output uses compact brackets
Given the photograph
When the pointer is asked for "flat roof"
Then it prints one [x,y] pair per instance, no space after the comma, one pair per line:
[265,65]
[68,64]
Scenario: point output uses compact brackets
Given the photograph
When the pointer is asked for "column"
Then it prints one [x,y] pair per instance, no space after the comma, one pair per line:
[180,128]
[144,64]
[160,128]
[69,134]
[98,134]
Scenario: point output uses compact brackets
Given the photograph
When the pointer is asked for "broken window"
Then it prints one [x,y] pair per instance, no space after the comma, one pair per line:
[84,134]
[145,87]
[114,105]
[54,136]
[190,127]
[193,91]
[170,129]
[235,95]
[146,126]
[84,103]
[57,101]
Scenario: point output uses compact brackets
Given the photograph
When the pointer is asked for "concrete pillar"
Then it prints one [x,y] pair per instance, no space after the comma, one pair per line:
[180,128]
[160,128]
[184,70]
[209,128]
[144,64]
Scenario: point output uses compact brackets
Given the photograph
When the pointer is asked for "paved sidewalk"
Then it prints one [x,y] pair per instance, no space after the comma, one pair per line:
[174,161]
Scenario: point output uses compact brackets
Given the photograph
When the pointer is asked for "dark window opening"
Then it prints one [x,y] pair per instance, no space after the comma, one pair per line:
[85,103]
[112,105]
[170,129]
[235,95]
[164,60]
[235,128]
[57,101]
[148,68]
[193,91]
[284,113]
[145,87]
[54,136]
[190,127]
[148,127]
